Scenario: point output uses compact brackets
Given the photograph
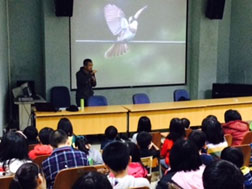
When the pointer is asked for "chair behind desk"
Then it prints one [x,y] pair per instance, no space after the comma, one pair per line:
[97,100]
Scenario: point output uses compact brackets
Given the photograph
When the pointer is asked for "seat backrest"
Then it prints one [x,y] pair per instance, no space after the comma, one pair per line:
[247,139]
[229,139]
[60,97]
[188,132]
[156,138]
[38,160]
[67,177]
[181,95]
[246,151]
[140,98]
[97,101]
[147,162]
[5,181]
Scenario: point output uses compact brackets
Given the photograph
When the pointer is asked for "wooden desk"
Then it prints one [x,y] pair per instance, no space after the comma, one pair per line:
[195,110]
[93,120]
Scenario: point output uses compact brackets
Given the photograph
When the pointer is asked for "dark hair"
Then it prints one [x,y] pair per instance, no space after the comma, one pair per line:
[92,180]
[44,135]
[81,143]
[116,156]
[185,123]
[86,61]
[134,152]
[111,132]
[184,156]
[65,125]
[31,133]
[232,115]
[58,137]
[198,138]
[144,139]
[177,130]
[213,130]
[222,174]
[144,124]
[13,145]
[26,177]
[233,155]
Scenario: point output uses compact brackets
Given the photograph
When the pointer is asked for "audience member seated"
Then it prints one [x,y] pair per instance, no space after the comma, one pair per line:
[214,135]
[64,156]
[28,176]
[199,139]
[94,156]
[44,148]
[222,174]
[31,134]
[144,124]
[110,136]
[66,125]
[235,156]
[186,123]
[116,157]
[146,146]
[186,166]
[235,126]
[13,152]
[92,180]
[177,131]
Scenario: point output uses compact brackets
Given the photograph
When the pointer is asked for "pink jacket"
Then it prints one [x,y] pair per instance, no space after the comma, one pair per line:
[237,129]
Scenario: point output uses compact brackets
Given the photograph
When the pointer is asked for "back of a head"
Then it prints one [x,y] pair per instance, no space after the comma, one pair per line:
[198,138]
[185,122]
[233,155]
[31,133]
[144,139]
[111,132]
[81,143]
[58,137]
[213,130]
[92,180]
[232,115]
[13,145]
[144,124]
[134,152]
[222,174]
[44,135]
[177,129]
[65,125]
[116,156]
[184,156]
[26,177]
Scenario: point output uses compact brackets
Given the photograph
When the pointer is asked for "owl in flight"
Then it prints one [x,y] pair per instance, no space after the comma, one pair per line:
[124,29]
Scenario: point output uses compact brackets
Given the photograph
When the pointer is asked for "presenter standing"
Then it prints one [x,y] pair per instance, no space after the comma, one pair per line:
[86,80]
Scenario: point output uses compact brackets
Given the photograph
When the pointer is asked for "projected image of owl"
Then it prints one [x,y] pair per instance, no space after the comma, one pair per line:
[124,29]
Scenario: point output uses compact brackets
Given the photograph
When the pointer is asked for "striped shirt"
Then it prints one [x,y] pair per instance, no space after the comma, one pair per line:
[62,158]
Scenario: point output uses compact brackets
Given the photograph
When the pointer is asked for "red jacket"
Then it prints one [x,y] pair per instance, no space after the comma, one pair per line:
[40,150]
[166,149]
[237,129]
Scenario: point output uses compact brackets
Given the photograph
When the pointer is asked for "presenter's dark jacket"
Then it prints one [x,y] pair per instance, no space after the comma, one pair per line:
[85,83]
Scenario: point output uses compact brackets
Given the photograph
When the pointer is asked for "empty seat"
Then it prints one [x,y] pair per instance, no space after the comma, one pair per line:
[60,97]
[140,98]
[181,95]
[97,101]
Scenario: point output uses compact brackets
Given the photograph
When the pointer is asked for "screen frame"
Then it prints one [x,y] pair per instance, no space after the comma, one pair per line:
[137,86]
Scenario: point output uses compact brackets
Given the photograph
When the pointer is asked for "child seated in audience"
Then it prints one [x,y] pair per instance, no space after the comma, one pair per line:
[214,135]
[66,125]
[13,152]
[235,126]
[94,156]
[31,134]
[110,136]
[44,148]
[116,157]
[92,180]
[199,139]
[235,156]
[28,176]
[186,123]
[222,174]
[146,146]
[186,168]
[144,124]
[177,131]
